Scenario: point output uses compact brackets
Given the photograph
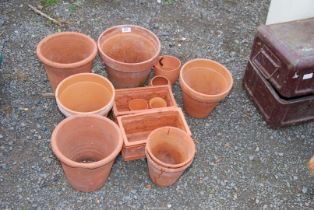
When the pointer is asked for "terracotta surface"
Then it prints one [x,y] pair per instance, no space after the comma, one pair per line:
[65,54]
[133,152]
[135,128]
[204,84]
[157,102]
[310,165]
[138,104]
[159,80]
[170,147]
[163,176]
[128,53]
[123,96]
[85,93]
[169,67]
[86,146]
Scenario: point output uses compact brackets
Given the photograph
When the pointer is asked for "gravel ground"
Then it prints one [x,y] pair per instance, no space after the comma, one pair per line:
[241,163]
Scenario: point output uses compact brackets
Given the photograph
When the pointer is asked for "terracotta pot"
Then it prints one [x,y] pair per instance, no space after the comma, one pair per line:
[86,146]
[157,102]
[85,93]
[170,147]
[163,176]
[204,84]
[169,67]
[128,53]
[310,165]
[124,96]
[65,54]
[136,128]
[138,104]
[159,80]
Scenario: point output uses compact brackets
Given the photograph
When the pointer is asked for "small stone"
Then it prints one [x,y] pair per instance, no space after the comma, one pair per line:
[19,190]
[280,154]
[304,190]
[251,157]
[169,205]
[257,201]
[1,136]
[158,1]
[257,149]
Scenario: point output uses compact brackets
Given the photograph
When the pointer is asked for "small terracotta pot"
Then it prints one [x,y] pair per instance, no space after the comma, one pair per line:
[128,53]
[163,176]
[159,80]
[85,93]
[65,54]
[86,146]
[170,147]
[310,165]
[169,67]
[157,102]
[138,104]
[204,84]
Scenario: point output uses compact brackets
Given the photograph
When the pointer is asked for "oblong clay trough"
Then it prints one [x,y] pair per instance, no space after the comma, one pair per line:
[66,53]
[168,66]
[128,53]
[136,128]
[170,147]
[85,93]
[159,80]
[163,176]
[86,146]
[204,84]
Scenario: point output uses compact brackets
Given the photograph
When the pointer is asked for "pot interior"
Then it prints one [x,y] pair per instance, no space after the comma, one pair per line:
[170,146]
[138,104]
[85,96]
[67,48]
[131,47]
[87,139]
[205,80]
[160,81]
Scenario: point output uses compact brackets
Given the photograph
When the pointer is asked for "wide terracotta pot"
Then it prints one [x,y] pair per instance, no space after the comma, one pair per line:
[85,93]
[66,53]
[169,67]
[163,176]
[204,84]
[128,53]
[86,146]
[170,147]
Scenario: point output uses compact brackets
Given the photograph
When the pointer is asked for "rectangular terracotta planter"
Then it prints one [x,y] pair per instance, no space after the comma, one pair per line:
[136,128]
[123,96]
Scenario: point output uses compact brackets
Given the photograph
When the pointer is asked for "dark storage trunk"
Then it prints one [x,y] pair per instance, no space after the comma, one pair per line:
[284,54]
[276,110]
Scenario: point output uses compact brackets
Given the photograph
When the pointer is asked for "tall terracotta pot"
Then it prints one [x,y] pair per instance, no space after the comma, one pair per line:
[204,84]
[85,93]
[128,53]
[66,53]
[86,146]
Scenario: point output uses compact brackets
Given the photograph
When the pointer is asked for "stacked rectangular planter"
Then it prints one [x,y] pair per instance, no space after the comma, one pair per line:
[136,125]
[280,73]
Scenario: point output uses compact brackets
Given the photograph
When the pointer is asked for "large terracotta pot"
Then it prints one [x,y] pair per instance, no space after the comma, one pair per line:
[65,54]
[85,93]
[128,53]
[86,146]
[204,84]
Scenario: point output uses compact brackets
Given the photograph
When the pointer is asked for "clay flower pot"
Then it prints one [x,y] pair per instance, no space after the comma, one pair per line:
[86,146]
[138,104]
[159,80]
[170,147]
[310,165]
[128,53]
[163,176]
[85,93]
[157,102]
[169,67]
[204,84]
[65,54]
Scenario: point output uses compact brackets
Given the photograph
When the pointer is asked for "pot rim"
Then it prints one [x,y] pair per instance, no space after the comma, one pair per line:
[73,112]
[199,94]
[172,57]
[93,165]
[160,76]
[48,62]
[129,64]
[167,165]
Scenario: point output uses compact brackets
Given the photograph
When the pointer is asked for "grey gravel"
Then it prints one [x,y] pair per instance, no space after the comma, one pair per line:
[240,164]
